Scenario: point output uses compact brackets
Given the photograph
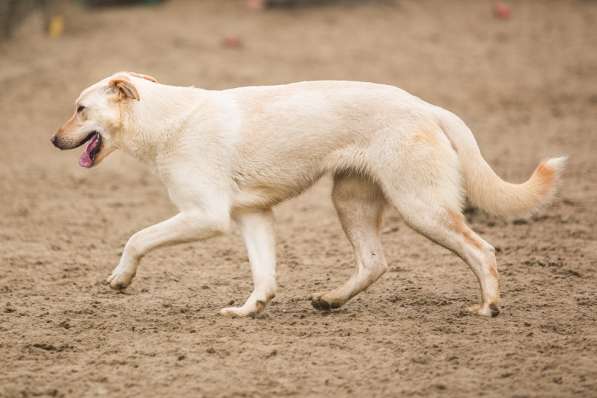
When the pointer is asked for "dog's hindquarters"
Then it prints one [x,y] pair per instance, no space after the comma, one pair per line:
[420,174]
[416,169]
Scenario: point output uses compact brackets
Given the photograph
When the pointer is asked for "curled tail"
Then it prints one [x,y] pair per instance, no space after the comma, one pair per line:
[485,189]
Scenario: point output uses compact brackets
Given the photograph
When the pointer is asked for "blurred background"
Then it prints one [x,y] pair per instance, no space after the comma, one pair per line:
[521,73]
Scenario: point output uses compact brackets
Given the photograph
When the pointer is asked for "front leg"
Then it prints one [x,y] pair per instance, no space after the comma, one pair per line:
[187,226]
[257,228]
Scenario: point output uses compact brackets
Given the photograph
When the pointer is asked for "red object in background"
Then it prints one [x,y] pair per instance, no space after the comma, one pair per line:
[256,4]
[502,10]
[232,42]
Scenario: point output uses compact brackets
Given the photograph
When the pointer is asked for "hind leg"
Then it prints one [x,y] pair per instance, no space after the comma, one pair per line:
[359,204]
[420,176]
[448,228]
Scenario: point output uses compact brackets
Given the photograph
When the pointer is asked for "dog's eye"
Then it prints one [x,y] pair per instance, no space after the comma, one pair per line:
[80,109]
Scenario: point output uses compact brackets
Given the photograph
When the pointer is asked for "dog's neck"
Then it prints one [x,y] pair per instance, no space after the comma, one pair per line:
[150,125]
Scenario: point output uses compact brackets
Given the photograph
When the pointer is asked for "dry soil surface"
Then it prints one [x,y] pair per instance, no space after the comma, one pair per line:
[527,87]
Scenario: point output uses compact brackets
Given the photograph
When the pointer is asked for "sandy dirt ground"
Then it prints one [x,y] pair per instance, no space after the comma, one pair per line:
[526,86]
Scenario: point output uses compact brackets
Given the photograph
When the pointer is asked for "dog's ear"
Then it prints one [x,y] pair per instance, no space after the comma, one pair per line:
[146,77]
[125,88]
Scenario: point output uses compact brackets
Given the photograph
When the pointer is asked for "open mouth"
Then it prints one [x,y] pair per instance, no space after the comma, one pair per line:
[94,146]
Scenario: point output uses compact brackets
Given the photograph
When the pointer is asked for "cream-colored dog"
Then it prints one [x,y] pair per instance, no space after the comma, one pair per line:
[232,155]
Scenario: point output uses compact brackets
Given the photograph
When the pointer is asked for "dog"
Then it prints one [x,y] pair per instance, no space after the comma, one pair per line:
[231,155]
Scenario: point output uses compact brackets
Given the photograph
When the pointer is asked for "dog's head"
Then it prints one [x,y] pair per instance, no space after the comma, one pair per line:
[97,119]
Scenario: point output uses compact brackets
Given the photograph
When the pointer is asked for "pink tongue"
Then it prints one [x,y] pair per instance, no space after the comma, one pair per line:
[85,160]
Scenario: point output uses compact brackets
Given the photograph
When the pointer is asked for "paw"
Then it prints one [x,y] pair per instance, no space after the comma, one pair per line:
[320,303]
[249,309]
[490,310]
[120,280]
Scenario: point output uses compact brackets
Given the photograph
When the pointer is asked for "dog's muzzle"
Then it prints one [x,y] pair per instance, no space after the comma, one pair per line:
[62,143]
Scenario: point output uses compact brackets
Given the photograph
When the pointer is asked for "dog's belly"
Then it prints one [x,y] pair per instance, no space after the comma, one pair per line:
[265,196]
[268,178]
[255,189]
